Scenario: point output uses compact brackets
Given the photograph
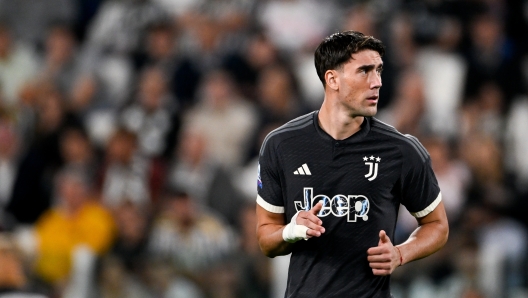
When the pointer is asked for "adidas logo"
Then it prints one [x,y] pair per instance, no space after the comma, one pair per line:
[303,170]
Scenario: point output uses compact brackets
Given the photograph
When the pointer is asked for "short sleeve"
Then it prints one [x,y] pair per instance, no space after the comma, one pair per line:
[420,192]
[270,196]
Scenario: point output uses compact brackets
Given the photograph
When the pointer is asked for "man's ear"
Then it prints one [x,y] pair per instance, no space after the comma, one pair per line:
[332,79]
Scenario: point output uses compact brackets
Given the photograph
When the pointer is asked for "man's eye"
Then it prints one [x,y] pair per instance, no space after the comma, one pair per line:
[379,70]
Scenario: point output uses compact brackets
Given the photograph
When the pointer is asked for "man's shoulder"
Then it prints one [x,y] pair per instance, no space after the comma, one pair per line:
[408,144]
[289,129]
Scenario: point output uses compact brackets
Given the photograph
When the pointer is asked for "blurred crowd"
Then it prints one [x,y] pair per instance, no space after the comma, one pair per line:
[130,130]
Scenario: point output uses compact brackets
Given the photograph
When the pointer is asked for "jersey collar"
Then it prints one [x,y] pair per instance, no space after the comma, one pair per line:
[363,131]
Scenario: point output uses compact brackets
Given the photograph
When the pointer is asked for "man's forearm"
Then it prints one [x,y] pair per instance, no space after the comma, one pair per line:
[276,238]
[425,240]
[271,242]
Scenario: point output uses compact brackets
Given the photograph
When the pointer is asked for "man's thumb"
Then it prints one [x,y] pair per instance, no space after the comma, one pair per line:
[383,237]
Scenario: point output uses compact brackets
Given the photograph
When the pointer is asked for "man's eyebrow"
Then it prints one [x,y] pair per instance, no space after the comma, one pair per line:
[369,67]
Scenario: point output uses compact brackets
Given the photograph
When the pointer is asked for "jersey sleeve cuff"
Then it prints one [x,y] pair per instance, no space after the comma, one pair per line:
[429,208]
[268,206]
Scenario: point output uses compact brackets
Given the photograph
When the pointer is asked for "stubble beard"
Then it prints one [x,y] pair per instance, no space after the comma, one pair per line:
[364,111]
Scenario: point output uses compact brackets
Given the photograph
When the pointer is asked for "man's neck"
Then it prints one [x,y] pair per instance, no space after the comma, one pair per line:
[337,123]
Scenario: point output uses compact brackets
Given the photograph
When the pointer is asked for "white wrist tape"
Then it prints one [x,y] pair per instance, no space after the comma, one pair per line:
[293,232]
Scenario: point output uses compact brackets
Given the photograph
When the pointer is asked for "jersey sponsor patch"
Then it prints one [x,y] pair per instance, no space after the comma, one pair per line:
[351,206]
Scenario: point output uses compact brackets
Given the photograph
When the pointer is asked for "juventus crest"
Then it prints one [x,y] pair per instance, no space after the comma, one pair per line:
[372,162]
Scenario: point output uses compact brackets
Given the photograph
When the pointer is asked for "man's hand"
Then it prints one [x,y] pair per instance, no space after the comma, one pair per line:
[384,258]
[310,220]
[304,225]
[275,238]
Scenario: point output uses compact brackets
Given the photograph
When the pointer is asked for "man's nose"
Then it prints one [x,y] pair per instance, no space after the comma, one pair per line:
[375,81]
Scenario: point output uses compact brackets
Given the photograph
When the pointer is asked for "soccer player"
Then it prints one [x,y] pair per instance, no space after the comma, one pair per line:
[330,184]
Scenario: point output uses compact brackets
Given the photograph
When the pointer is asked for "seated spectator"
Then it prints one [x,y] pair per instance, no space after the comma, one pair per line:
[192,238]
[18,65]
[225,119]
[76,222]
[161,49]
[60,62]
[259,53]
[278,96]
[77,152]
[130,247]
[453,175]
[295,24]
[406,112]
[483,113]
[124,174]
[153,115]
[41,158]
[208,183]
[443,70]
[278,101]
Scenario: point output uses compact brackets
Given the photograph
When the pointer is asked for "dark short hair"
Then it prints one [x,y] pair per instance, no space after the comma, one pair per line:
[338,48]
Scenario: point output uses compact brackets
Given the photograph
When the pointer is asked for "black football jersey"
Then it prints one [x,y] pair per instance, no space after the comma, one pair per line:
[361,181]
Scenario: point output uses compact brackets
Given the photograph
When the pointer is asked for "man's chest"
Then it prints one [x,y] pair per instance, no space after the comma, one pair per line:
[350,180]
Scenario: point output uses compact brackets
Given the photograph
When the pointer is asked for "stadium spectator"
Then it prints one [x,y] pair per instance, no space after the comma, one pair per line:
[153,114]
[407,110]
[18,65]
[207,182]
[225,119]
[130,247]
[483,114]
[60,61]
[161,50]
[37,17]
[292,25]
[278,97]
[77,152]
[41,158]
[124,174]
[443,71]
[191,238]
[453,176]
[76,223]
[492,57]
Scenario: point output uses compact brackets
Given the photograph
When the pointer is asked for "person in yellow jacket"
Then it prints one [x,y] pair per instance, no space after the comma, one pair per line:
[76,221]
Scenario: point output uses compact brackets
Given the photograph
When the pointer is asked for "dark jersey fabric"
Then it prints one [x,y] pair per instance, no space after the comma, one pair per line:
[361,180]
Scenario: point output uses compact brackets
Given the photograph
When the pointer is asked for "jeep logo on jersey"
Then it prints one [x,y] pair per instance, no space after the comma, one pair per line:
[352,206]
[373,167]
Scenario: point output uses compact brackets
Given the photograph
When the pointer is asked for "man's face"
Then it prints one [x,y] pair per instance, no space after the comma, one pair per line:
[359,81]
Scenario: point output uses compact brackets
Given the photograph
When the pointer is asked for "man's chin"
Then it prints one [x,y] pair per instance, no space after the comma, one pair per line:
[371,111]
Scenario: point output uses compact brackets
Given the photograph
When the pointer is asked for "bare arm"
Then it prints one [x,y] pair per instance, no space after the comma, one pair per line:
[428,238]
[271,225]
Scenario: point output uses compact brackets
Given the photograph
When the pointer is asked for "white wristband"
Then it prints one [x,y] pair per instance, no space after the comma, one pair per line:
[293,232]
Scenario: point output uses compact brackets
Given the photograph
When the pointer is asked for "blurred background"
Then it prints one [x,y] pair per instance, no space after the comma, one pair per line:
[129,132]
